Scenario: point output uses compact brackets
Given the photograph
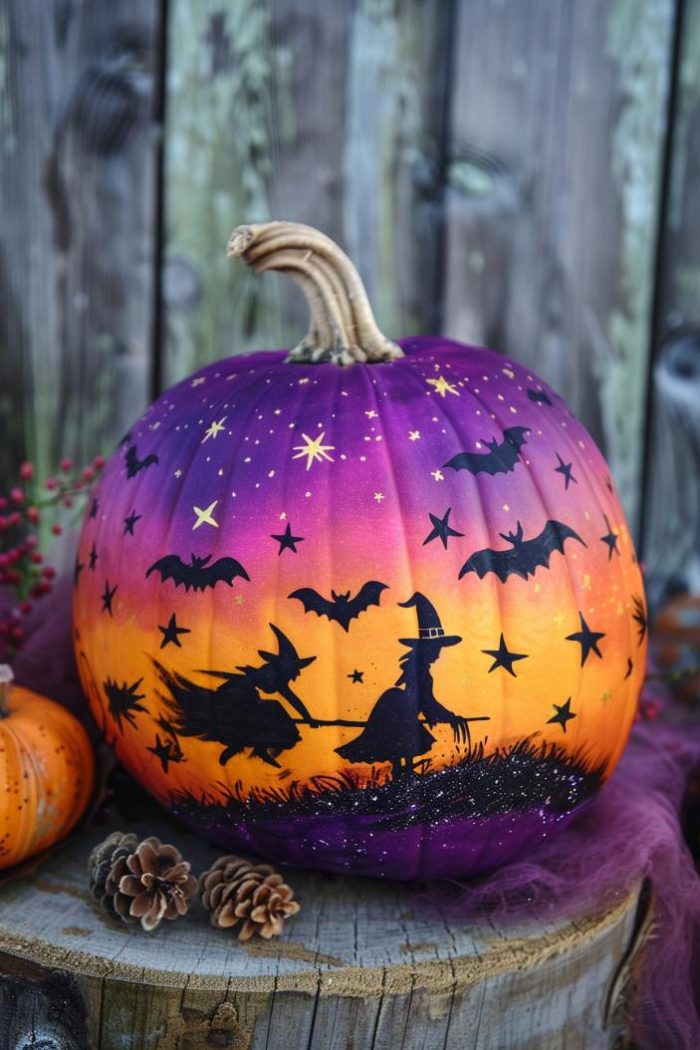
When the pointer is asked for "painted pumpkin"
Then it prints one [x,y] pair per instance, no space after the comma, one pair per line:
[384,618]
[46,772]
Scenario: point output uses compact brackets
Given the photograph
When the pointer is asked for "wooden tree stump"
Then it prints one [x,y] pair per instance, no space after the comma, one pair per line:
[363,966]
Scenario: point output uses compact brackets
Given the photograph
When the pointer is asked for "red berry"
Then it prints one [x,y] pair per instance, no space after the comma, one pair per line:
[15,518]
[4,629]
[12,577]
[17,495]
[88,473]
[17,633]
[66,464]
[3,502]
[33,514]
[99,462]
[26,471]
[25,607]
[31,541]
[57,529]
[49,572]
[37,557]
[68,502]
[51,484]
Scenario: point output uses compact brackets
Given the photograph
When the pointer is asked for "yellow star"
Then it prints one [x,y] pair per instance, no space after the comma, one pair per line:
[214,429]
[204,517]
[586,583]
[414,435]
[438,475]
[379,496]
[559,618]
[537,588]
[313,449]
[371,414]
[442,387]
[605,696]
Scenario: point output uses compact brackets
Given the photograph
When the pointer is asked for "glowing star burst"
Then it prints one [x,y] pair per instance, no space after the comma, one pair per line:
[214,429]
[314,449]
[204,517]
[442,387]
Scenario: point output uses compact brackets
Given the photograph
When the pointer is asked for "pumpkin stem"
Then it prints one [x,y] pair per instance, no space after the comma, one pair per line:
[343,329]
[6,677]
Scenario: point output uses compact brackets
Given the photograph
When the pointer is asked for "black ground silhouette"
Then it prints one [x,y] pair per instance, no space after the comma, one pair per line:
[523,777]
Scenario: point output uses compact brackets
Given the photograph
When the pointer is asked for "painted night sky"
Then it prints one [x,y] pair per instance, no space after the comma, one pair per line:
[320,477]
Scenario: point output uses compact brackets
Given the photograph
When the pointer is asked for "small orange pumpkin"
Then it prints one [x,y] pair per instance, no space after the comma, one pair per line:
[47,771]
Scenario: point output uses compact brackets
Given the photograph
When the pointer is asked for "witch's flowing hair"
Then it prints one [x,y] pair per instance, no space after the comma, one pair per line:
[413,662]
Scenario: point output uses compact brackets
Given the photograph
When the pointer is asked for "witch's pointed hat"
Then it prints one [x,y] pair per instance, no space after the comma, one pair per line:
[287,658]
[429,626]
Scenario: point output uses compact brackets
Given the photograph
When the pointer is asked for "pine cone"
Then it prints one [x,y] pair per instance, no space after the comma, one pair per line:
[103,861]
[146,881]
[235,890]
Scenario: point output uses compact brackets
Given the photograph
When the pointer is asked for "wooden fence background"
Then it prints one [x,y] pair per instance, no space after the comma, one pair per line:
[519,173]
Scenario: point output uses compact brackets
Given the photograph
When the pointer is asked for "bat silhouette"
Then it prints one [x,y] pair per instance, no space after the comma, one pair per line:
[134,464]
[538,396]
[198,574]
[341,607]
[500,459]
[525,556]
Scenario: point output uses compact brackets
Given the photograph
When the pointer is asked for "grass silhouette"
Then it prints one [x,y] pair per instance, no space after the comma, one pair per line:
[524,776]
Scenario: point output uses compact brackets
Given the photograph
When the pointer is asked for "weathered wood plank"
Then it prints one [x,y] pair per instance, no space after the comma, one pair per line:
[76,221]
[363,965]
[330,114]
[672,511]
[556,139]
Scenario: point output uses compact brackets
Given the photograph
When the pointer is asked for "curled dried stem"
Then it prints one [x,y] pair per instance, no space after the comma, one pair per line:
[343,329]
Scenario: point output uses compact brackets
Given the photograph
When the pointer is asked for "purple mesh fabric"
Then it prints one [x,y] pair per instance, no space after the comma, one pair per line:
[630,831]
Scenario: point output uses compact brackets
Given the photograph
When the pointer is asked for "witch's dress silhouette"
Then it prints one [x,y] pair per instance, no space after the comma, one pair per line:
[235,714]
[394,731]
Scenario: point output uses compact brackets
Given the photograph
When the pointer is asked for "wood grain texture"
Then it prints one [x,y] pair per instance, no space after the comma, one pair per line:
[672,511]
[76,222]
[330,114]
[363,965]
[555,145]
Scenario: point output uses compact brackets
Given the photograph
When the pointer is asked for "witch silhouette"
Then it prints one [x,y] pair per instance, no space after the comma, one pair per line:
[394,731]
[235,714]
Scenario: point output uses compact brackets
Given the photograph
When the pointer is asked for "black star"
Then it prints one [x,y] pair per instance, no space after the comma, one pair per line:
[630,665]
[611,539]
[441,529]
[587,639]
[93,557]
[286,540]
[564,714]
[171,632]
[640,615]
[167,751]
[107,598]
[77,569]
[503,658]
[130,522]
[565,470]
[94,508]
[356,676]
[123,701]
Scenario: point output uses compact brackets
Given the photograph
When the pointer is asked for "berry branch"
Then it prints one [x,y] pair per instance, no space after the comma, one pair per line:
[29,516]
